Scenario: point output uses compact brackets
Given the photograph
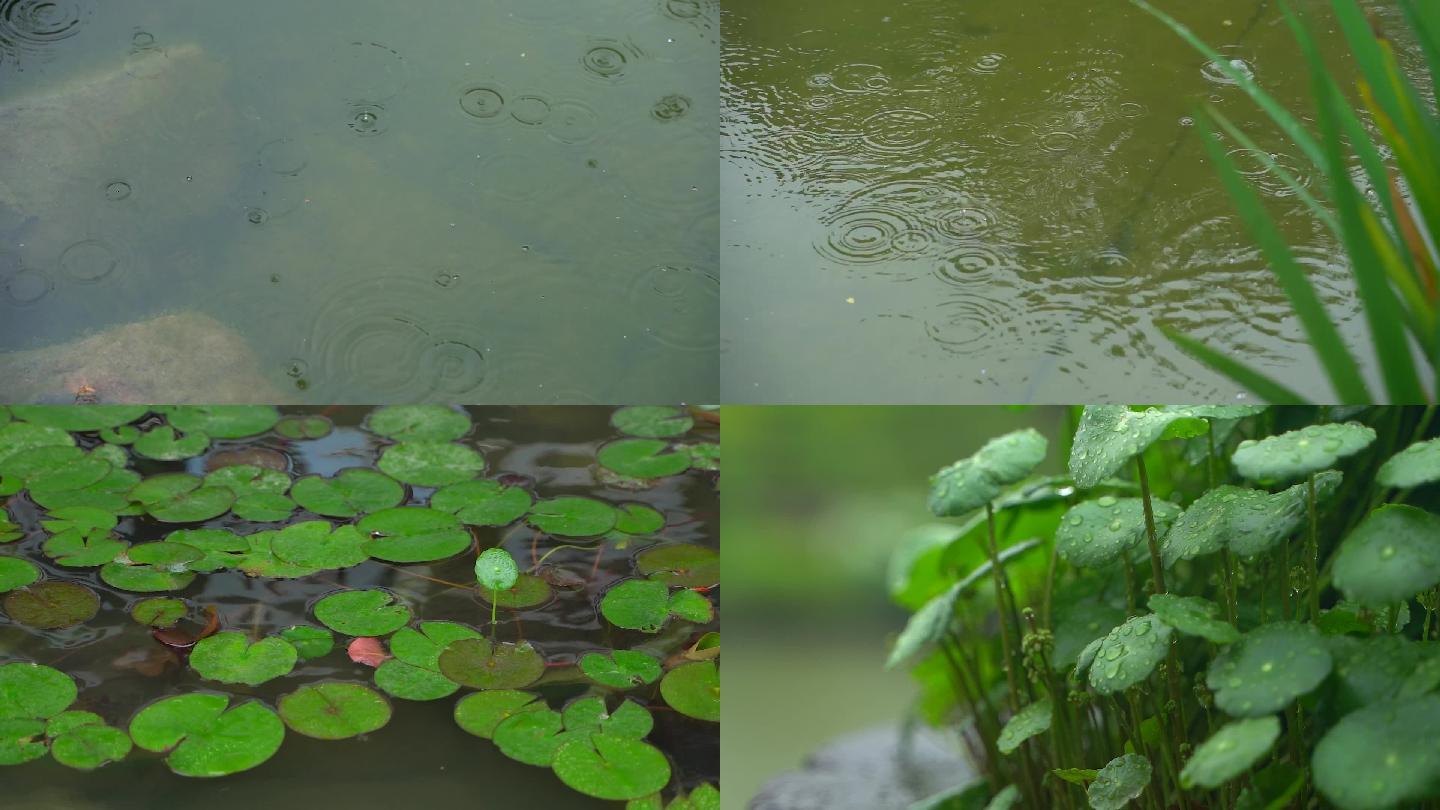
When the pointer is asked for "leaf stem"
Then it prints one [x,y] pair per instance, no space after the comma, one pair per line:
[1314,583]
[1172,669]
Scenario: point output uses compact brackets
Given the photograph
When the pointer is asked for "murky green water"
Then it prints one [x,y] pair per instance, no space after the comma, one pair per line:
[383,202]
[1000,200]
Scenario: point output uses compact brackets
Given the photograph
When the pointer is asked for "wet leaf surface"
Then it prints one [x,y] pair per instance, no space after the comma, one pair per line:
[333,710]
[1391,556]
[1230,752]
[49,605]
[1268,668]
[694,690]
[972,482]
[1300,452]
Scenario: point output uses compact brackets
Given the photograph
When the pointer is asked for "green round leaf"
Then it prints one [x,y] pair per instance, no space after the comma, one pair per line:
[1110,436]
[221,548]
[479,664]
[52,605]
[21,740]
[144,578]
[164,444]
[351,492]
[1120,781]
[259,559]
[479,713]
[1129,653]
[637,518]
[692,606]
[693,689]
[309,642]
[362,613]
[170,556]
[109,494]
[431,464]
[643,458]
[1300,452]
[304,427]
[223,421]
[316,544]
[1414,466]
[263,507]
[229,657]
[637,604]
[589,714]
[704,456]
[1382,756]
[1392,555]
[1248,521]
[1077,626]
[16,573]
[1268,668]
[1230,752]
[409,682]
[652,421]
[528,591]
[71,720]
[428,423]
[532,737]
[334,710]
[573,517]
[34,692]
[610,767]
[55,468]
[89,747]
[972,482]
[201,737]
[495,569]
[680,565]
[1100,532]
[17,437]
[483,502]
[422,646]
[408,534]
[123,435]
[621,669]
[1026,723]
[158,612]
[180,498]
[79,418]
[1194,616]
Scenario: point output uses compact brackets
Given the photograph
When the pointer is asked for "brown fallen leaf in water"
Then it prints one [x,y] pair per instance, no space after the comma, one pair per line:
[368,651]
[148,661]
[254,456]
[559,577]
[181,641]
[710,415]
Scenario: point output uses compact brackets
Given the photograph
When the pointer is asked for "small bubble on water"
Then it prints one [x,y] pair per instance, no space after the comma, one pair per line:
[297,368]
[445,279]
[257,216]
[1187,121]
[117,190]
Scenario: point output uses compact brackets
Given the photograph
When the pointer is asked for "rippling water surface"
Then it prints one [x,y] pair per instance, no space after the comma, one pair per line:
[930,200]
[511,201]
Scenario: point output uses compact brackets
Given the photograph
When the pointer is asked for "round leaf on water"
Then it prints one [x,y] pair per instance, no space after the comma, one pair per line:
[621,669]
[637,604]
[34,691]
[971,483]
[229,657]
[1414,466]
[479,664]
[1026,723]
[532,737]
[693,689]
[409,682]
[483,502]
[71,720]
[170,556]
[16,573]
[52,605]
[79,418]
[351,492]
[223,421]
[692,606]
[1194,616]
[144,578]
[1381,756]
[158,612]
[643,458]
[495,569]
[304,427]
[1129,653]
[162,443]
[110,494]
[56,468]
[681,565]
[89,747]
[573,517]
[652,421]
[123,435]
[431,464]
[408,534]
[610,767]
[77,548]
[1268,668]
[316,544]
[1099,532]
[263,507]
[205,738]
[589,714]
[422,646]
[259,559]
[309,642]
[180,498]
[17,437]
[1300,452]
[21,740]
[362,613]
[1230,752]
[528,591]
[479,713]
[1392,555]
[1110,436]
[1119,782]
[637,518]
[430,423]
[334,710]
[704,456]
[249,479]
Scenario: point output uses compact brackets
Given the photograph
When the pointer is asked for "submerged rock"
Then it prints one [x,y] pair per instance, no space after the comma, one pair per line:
[186,357]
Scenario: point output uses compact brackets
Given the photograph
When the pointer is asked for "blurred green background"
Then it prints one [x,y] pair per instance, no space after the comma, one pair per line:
[815,499]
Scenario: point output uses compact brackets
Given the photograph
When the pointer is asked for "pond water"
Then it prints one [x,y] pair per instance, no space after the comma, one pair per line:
[374,202]
[1000,201]
[421,757]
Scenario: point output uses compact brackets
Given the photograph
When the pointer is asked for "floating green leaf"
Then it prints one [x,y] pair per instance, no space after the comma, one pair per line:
[1026,723]
[89,747]
[202,736]
[590,714]
[223,421]
[16,573]
[1268,668]
[528,591]
[1381,756]
[34,692]
[1414,466]
[79,418]
[21,740]
[681,565]
[428,423]
[158,612]
[55,468]
[1300,452]
[304,427]
[1230,752]
[317,544]
[1100,532]
[309,642]
[1109,436]
[643,458]
[362,613]
[693,689]
[971,483]
[431,464]
[573,517]
[409,682]
[495,569]
[351,492]
[621,669]
[82,537]
[480,664]
[1129,653]
[110,494]
[230,657]
[1119,782]
[704,456]
[180,498]
[164,555]
[610,767]
[652,421]
[422,646]
[144,578]
[1392,555]
[162,443]
[408,534]
[17,437]
[532,737]
[479,713]
[259,559]
[1194,616]
[334,710]
[637,604]
[483,502]
[52,605]
[637,518]
[692,606]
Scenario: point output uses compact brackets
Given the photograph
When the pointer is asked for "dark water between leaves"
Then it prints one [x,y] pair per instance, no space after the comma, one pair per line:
[421,758]
[360,201]
[1001,201]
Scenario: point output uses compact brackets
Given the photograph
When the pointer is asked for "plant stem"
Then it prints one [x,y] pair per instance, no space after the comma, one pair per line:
[1172,670]
[1001,591]
[547,554]
[494,599]
[1314,583]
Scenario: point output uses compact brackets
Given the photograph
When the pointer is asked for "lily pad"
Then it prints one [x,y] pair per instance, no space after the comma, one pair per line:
[971,483]
[692,606]
[573,517]
[309,642]
[351,492]
[362,613]
[422,646]
[1416,465]
[259,559]
[1268,668]
[17,437]
[1119,782]
[1129,653]
[430,423]
[84,548]
[637,518]
[495,569]
[166,555]
[637,604]
[1300,452]
[483,502]
[704,456]
[479,713]
[181,498]
[409,534]
[162,443]
[91,746]
[79,418]
[590,714]
[317,544]
[1230,752]
[621,669]
[263,507]
[223,421]
[334,710]
[1392,555]
[693,689]
[144,578]
[1100,532]
[16,573]
[55,468]
[230,657]
[609,767]
[431,464]
[1026,723]
[34,692]
[643,458]
[1381,756]
[479,664]
[528,591]
[21,740]
[52,605]
[652,421]
[110,494]
[681,565]
[1110,436]
[158,612]
[533,737]
[304,427]
[203,736]
[1194,616]
[409,682]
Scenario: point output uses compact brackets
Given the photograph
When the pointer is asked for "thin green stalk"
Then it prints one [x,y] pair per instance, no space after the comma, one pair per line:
[1314,578]
[1227,578]
[1129,588]
[1006,642]
[988,733]
[1172,672]
[547,554]
[494,600]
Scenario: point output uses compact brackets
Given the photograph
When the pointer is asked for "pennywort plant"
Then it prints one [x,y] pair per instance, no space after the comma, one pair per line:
[1215,607]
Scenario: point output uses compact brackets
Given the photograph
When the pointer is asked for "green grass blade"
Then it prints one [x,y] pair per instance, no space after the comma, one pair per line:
[1367,52]
[1291,182]
[1424,20]
[1324,337]
[1256,382]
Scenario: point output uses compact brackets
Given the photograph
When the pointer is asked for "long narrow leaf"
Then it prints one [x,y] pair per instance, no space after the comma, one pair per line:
[1256,382]
[1424,19]
[1271,165]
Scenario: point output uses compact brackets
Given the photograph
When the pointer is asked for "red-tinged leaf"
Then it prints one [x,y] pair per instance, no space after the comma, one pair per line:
[368,651]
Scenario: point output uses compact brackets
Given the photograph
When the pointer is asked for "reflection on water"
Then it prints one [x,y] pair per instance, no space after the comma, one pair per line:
[1000,201]
[439,204]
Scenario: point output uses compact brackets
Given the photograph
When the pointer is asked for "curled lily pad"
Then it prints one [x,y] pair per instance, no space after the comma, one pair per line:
[495,569]
[1381,756]
[652,421]
[1026,723]
[480,713]
[304,427]
[230,657]
[528,591]
[643,458]
[610,767]
[408,534]
[1194,616]
[682,565]
[1300,452]
[1100,532]
[16,573]
[483,502]
[158,612]
[1414,466]
[431,464]
[362,613]
[1109,436]
[162,443]
[573,517]
[431,423]
[1129,653]
[480,664]
[181,498]
[1230,752]
[351,492]
[317,544]
[971,483]
[34,691]
[334,710]
[144,578]
[309,642]
[1268,668]
[693,689]
[223,421]
[1392,555]
[1119,782]
[52,605]
[203,736]
[621,669]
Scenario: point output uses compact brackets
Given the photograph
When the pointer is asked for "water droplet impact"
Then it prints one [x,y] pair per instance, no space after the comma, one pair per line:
[88,262]
[670,107]
[297,368]
[572,122]
[607,60]
[1215,71]
[482,101]
[366,119]
[987,65]
[117,190]
[25,286]
[530,110]
[257,216]
[284,156]
[445,279]
[33,26]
